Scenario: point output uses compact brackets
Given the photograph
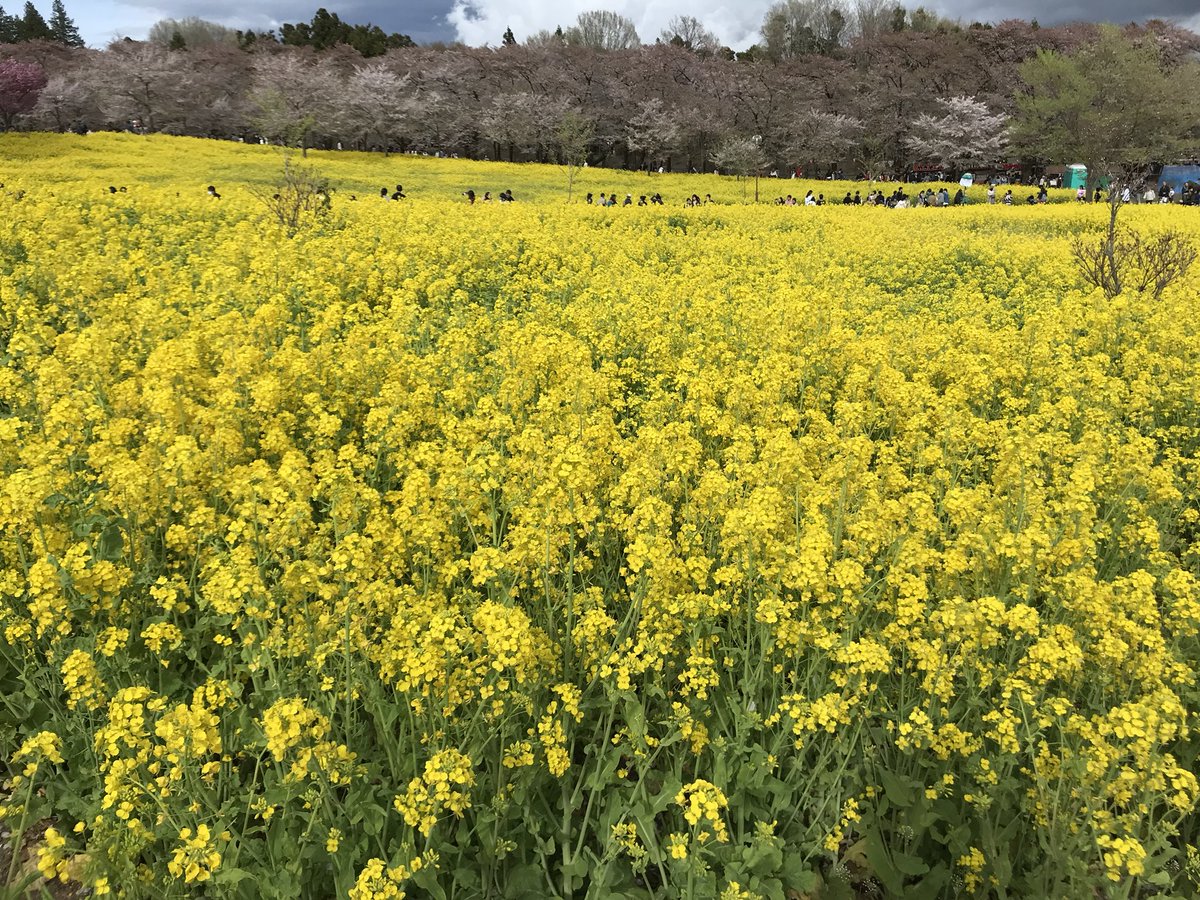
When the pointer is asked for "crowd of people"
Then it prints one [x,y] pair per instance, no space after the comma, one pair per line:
[897,199]
[611,200]
[1164,194]
[502,197]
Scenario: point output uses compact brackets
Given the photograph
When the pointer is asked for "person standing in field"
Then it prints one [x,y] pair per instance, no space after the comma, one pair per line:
[991,193]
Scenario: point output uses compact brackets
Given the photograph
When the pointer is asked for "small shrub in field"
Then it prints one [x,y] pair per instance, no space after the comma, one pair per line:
[298,199]
[1126,258]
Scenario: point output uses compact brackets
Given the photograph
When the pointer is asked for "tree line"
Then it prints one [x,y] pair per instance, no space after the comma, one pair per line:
[32,26]
[876,89]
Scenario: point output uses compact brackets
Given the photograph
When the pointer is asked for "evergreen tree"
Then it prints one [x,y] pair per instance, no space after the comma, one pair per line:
[62,26]
[177,42]
[509,38]
[32,26]
[249,39]
[8,27]
[328,30]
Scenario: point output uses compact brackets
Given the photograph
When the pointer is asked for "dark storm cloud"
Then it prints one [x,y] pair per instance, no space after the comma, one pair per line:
[423,20]
[1099,11]
[483,21]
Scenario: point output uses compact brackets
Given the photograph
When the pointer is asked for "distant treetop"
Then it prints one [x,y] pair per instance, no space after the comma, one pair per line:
[32,26]
[327,30]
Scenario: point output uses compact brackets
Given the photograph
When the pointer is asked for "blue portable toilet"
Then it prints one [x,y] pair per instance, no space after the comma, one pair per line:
[1175,176]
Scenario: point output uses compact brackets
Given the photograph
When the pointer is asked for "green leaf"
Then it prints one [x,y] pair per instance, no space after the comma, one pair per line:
[602,775]
[666,795]
[229,876]
[576,867]
[112,543]
[930,887]
[798,876]
[763,858]
[635,717]
[426,879]
[525,881]
[373,818]
[880,862]
[909,864]
[901,791]
[771,888]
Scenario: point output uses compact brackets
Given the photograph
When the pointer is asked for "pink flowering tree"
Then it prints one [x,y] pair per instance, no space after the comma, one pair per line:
[20,84]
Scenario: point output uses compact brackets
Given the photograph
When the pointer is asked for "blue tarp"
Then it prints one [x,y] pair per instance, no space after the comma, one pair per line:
[1175,176]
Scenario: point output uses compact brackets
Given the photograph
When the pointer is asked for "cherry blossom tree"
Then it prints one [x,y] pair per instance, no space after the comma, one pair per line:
[64,101]
[654,130]
[20,85]
[293,96]
[376,106]
[966,133]
[522,121]
[823,138]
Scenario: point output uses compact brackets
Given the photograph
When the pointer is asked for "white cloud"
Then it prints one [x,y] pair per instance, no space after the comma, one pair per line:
[479,22]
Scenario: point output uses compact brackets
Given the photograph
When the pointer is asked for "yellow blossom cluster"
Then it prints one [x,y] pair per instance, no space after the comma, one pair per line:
[444,787]
[197,856]
[460,527]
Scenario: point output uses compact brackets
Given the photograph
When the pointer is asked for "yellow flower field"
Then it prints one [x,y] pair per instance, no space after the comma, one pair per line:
[538,550]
